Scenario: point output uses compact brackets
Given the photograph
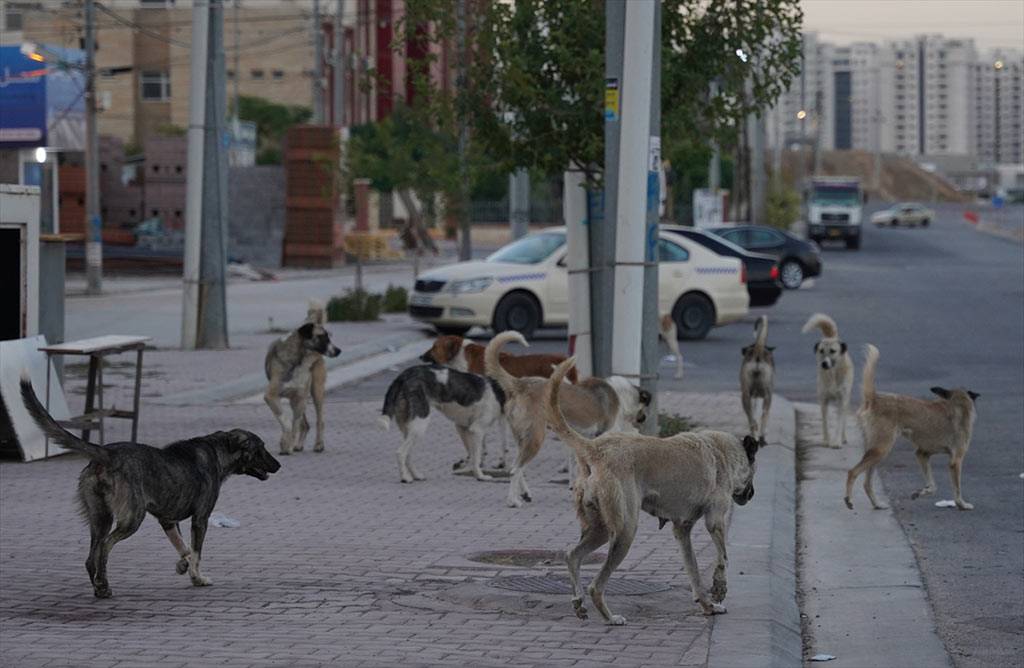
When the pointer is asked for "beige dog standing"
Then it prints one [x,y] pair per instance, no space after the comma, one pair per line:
[593,405]
[757,378]
[835,373]
[936,426]
[677,479]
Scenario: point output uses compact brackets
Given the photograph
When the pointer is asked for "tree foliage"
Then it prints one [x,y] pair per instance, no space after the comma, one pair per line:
[272,121]
[535,88]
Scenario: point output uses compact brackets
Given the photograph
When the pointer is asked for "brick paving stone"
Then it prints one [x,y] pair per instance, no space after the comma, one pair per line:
[335,562]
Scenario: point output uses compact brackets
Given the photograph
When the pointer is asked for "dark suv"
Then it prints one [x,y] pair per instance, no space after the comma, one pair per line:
[798,259]
[762,270]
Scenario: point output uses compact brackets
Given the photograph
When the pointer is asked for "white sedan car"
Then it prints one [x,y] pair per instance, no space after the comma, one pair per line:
[524,285]
[908,213]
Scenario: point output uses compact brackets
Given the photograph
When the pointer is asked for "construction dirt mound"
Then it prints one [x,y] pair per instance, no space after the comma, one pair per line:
[901,179]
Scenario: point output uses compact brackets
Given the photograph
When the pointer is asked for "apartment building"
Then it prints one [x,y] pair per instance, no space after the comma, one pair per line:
[927,96]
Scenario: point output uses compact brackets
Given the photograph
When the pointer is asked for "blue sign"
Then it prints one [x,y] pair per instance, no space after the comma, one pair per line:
[22,98]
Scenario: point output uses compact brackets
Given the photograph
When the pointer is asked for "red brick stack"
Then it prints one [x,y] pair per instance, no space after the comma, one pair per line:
[313,224]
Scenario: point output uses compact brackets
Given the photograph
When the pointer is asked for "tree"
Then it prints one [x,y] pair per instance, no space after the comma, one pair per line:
[272,121]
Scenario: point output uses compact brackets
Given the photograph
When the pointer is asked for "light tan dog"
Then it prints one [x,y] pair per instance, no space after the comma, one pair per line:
[933,426]
[593,405]
[677,479]
[757,378]
[296,371]
[668,331]
[835,373]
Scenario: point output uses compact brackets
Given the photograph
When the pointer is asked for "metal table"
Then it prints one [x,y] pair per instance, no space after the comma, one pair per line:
[97,348]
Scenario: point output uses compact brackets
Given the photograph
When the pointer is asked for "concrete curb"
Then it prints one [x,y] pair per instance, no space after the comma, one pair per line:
[762,627]
[368,358]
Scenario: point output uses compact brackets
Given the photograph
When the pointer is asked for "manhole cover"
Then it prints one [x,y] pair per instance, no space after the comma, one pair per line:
[530,558]
[559,584]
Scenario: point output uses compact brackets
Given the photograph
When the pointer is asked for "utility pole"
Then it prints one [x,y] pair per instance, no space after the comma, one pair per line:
[93,222]
[519,202]
[777,152]
[318,66]
[237,63]
[339,66]
[819,113]
[758,187]
[715,168]
[465,247]
[631,149]
[204,320]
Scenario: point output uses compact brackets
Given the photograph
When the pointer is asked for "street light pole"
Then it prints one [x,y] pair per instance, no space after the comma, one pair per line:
[93,222]
[318,66]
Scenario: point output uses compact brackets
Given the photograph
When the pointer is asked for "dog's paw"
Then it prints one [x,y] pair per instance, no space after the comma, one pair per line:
[298,448]
[616,620]
[713,609]
[284,452]
[879,506]
[579,608]
[102,591]
[201,581]
[319,447]
[483,476]
[833,447]
[514,502]
[406,478]
[526,497]
[417,476]
[963,505]
[182,566]
[849,504]
[459,465]
[718,591]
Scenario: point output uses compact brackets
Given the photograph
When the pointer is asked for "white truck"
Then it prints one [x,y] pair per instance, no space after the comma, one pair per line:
[835,209]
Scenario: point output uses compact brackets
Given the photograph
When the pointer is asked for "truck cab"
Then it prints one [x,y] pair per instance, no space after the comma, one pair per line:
[835,210]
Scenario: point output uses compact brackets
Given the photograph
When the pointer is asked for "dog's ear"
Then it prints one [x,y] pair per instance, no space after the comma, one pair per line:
[306,331]
[746,350]
[842,347]
[645,396]
[816,347]
[940,391]
[452,346]
[973,395]
[750,446]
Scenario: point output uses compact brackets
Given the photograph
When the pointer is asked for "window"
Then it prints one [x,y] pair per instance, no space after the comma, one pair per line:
[277,74]
[155,85]
[764,238]
[670,252]
[256,74]
[230,74]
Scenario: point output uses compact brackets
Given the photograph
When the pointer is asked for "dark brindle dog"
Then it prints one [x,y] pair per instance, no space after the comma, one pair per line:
[124,481]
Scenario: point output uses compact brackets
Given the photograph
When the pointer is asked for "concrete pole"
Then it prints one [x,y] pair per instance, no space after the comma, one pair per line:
[465,245]
[93,222]
[318,66]
[758,185]
[715,167]
[650,351]
[519,202]
[212,331]
[339,66]
[631,168]
[777,152]
[577,261]
[194,176]
[237,61]
[601,207]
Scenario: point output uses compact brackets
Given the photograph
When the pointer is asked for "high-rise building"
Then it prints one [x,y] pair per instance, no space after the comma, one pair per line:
[998,105]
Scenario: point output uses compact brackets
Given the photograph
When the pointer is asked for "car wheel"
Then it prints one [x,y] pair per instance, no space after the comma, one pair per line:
[894,222]
[518,311]
[925,222]
[451,329]
[792,274]
[694,316]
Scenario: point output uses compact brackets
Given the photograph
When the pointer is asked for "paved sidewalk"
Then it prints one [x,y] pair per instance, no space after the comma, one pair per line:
[860,585]
[337,563]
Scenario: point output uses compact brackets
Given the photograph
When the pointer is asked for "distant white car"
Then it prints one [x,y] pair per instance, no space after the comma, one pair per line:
[907,213]
[525,285]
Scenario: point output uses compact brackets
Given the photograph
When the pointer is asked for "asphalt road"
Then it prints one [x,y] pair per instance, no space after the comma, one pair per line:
[945,306]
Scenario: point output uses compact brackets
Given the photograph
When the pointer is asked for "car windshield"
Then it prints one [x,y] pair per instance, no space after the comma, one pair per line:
[731,245]
[833,195]
[529,250]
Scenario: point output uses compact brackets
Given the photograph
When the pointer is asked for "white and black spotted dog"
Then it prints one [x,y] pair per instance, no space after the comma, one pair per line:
[471,401]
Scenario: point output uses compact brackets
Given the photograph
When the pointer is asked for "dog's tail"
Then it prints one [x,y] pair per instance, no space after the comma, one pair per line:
[826,324]
[316,312]
[581,446]
[871,356]
[387,412]
[50,427]
[492,359]
[669,332]
[761,327]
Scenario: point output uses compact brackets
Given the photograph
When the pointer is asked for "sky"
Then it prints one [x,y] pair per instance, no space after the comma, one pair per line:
[992,23]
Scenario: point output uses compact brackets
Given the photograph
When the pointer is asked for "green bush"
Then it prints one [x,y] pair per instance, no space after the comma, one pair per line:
[782,208]
[354,305]
[396,299]
[670,424]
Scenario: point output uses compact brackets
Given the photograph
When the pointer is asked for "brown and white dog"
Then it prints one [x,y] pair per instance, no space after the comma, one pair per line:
[464,355]
[933,427]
